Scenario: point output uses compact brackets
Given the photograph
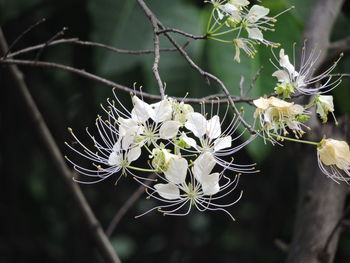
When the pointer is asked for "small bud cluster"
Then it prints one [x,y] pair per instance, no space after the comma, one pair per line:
[183,148]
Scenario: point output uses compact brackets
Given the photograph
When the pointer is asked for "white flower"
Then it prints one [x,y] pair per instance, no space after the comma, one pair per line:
[334,159]
[181,111]
[222,9]
[246,45]
[201,190]
[239,4]
[109,156]
[147,123]
[278,115]
[169,129]
[257,20]
[324,105]
[303,80]
[212,140]
[158,112]
[122,134]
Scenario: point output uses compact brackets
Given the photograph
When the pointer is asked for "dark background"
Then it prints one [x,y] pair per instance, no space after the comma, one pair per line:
[38,220]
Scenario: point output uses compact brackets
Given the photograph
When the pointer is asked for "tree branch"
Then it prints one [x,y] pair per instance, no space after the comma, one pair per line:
[173,30]
[127,205]
[21,36]
[341,44]
[109,83]
[94,226]
[93,44]
[205,74]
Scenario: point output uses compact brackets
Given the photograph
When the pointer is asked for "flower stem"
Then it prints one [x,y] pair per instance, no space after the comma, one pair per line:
[209,22]
[148,149]
[212,31]
[141,169]
[295,140]
[225,32]
[220,40]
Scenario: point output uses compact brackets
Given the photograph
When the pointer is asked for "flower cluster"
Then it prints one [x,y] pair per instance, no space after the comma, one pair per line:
[186,150]
[304,81]
[277,116]
[249,23]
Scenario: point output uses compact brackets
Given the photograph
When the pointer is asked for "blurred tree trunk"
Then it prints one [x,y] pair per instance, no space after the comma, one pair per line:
[320,200]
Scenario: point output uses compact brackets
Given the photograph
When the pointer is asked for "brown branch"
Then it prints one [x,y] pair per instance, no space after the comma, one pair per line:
[57,35]
[127,205]
[205,74]
[22,35]
[173,30]
[156,52]
[341,44]
[94,226]
[257,74]
[93,44]
[109,83]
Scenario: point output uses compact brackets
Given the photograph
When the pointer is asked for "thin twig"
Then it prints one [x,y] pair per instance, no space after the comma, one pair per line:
[109,83]
[94,44]
[257,74]
[126,206]
[57,35]
[341,44]
[181,33]
[94,226]
[205,74]
[241,85]
[22,35]
[156,52]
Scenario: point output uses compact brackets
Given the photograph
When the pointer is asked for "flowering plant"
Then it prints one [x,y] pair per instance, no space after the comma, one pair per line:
[183,148]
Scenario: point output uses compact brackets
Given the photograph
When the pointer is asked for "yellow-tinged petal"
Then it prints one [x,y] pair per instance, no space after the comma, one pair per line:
[334,152]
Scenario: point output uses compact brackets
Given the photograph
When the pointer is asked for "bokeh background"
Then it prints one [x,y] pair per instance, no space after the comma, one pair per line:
[38,220]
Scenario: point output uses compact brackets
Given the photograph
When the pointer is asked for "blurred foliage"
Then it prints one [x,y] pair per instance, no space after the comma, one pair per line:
[39,222]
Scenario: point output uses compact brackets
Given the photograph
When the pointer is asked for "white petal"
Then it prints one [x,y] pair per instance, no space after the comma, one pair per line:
[284,62]
[134,154]
[220,15]
[127,140]
[257,12]
[326,102]
[161,111]
[128,126]
[114,159]
[167,191]
[169,129]
[214,127]
[282,76]
[203,165]
[210,184]
[240,3]
[141,111]
[255,33]
[222,143]
[228,8]
[188,140]
[197,124]
[116,146]
[262,103]
[177,170]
